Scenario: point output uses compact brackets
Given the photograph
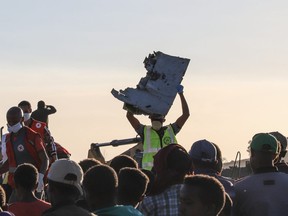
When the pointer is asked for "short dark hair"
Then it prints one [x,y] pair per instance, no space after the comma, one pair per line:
[15,112]
[41,104]
[24,103]
[88,163]
[132,185]
[121,161]
[211,190]
[101,180]
[26,176]
[179,160]
[171,164]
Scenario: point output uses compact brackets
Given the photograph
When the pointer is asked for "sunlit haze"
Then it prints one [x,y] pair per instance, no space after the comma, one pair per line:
[72,53]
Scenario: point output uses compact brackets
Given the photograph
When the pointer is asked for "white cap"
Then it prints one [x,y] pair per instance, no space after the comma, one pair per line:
[60,170]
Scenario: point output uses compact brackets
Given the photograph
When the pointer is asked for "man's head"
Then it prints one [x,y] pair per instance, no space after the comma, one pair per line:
[88,163]
[121,161]
[203,154]
[64,181]
[26,108]
[264,149]
[26,177]
[132,186]
[201,195]
[157,121]
[100,185]
[170,165]
[41,104]
[283,141]
[14,118]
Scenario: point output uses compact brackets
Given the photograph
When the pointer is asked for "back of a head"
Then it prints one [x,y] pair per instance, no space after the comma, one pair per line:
[265,148]
[24,103]
[179,161]
[265,143]
[211,191]
[26,176]
[204,154]
[66,177]
[14,114]
[171,164]
[283,141]
[88,163]
[100,183]
[41,104]
[132,186]
[122,161]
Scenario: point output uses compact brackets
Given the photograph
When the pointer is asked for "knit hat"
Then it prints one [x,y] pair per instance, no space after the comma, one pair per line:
[203,150]
[67,172]
[265,142]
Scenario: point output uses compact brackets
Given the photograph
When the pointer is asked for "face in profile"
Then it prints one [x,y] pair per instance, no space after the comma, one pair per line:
[190,203]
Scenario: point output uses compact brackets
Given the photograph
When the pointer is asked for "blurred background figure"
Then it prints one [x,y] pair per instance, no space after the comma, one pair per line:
[42,112]
[280,163]
[265,191]
[171,164]
[132,185]
[201,195]
[207,160]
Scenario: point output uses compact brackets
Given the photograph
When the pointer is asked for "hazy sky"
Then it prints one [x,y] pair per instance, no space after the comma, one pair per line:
[72,53]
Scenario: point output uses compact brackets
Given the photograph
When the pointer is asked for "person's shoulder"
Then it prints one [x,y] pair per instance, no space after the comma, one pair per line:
[70,210]
[42,203]
[29,130]
[226,180]
[127,210]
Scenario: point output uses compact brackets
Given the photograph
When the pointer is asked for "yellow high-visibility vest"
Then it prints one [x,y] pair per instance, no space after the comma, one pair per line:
[152,144]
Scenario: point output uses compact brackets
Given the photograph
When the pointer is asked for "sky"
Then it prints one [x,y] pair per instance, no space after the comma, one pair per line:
[71,54]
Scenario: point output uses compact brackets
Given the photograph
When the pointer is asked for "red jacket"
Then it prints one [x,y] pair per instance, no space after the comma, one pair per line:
[33,145]
[39,127]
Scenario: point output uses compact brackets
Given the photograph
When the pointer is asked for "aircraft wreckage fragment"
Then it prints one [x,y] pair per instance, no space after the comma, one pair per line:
[155,92]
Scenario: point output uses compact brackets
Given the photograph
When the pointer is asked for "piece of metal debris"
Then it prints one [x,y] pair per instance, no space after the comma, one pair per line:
[155,93]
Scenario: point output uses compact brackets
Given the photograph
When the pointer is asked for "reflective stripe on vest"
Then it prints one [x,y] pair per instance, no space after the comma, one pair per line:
[152,144]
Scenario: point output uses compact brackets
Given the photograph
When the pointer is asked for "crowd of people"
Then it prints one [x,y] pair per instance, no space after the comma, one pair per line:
[39,178]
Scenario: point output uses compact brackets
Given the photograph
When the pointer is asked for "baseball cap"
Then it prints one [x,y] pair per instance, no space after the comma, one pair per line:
[67,172]
[203,150]
[265,142]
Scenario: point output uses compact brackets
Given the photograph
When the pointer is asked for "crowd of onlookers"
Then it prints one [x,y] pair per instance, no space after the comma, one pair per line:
[38,178]
[180,183]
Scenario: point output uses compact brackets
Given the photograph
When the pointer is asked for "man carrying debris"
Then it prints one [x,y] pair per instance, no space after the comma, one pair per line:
[158,136]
